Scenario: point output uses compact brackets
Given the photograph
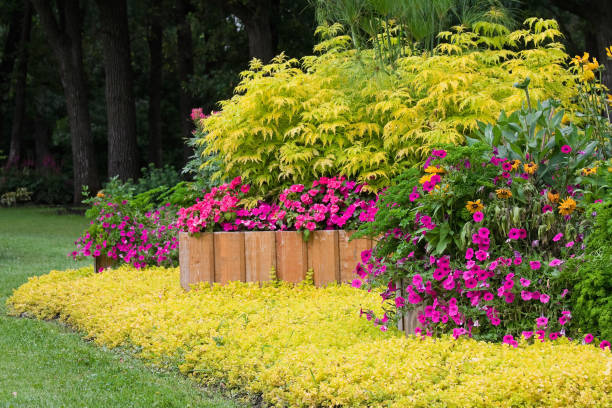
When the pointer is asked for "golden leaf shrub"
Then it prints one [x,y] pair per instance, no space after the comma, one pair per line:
[342,113]
[300,346]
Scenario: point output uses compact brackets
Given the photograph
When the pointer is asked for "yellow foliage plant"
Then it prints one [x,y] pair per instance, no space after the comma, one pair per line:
[301,346]
[342,112]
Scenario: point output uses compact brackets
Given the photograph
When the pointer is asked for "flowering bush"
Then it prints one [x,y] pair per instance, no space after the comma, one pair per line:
[330,203]
[308,347]
[124,231]
[477,245]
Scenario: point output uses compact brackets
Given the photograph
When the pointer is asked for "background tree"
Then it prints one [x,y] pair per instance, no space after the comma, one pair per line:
[64,36]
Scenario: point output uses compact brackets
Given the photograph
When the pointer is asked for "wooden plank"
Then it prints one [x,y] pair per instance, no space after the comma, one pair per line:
[196,258]
[350,254]
[259,254]
[291,256]
[229,257]
[323,257]
[103,261]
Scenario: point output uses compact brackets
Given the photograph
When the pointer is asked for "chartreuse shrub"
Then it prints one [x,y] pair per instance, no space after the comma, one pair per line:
[341,113]
[302,346]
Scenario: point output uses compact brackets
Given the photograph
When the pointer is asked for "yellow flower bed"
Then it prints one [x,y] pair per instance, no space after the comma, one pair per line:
[302,346]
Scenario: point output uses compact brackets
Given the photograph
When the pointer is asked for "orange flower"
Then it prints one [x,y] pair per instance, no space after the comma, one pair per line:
[567,206]
[553,196]
[515,164]
[435,170]
[530,167]
[609,51]
[503,193]
[100,194]
[473,206]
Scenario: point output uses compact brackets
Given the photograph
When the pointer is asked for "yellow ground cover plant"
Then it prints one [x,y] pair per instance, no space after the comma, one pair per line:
[301,346]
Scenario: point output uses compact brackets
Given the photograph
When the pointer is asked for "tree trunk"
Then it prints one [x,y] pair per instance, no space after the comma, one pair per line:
[41,146]
[65,41]
[155,84]
[120,107]
[261,33]
[185,71]
[21,72]
[8,58]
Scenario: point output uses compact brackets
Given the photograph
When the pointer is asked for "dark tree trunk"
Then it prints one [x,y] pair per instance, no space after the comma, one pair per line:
[41,145]
[259,18]
[120,107]
[185,71]
[8,58]
[155,84]
[21,72]
[65,41]
[598,14]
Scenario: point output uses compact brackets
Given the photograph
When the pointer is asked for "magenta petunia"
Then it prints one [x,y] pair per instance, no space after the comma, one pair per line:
[478,216]
[566,149]
[525,295]
[542,321]
[514,233]
[558,237]
[356,283]
[544,298]
[535,265]
[413,196]
[588,338]
[555,262]
[547,208]
[525,282]
[569,244]
[604,344]
[527,334]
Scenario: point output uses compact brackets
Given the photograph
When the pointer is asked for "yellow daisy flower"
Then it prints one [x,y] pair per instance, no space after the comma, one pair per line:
[503,193]
[473,206]
[567,206]
[530,167]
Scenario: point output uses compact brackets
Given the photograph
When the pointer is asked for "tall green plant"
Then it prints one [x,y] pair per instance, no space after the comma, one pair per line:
[339,113]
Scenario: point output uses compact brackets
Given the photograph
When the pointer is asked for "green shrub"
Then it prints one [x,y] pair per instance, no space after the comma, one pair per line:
[340,113]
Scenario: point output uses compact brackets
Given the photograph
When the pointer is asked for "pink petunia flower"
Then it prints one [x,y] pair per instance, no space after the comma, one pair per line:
[525,295]
[555,262]
[566,149]
[527,334]
[604,344]
[558,237]
[478,216]
[563,320]
[588,338]
[356,283]
[569,244]
[542,321]
[544,298]
[547,208]
[525,282]
[535,265]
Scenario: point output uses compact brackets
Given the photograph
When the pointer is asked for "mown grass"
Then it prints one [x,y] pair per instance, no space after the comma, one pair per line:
[44,364]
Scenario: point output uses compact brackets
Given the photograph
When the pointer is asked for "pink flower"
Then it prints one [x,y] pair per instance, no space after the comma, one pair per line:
[525,295]
[555,262]
[544,298]
[569,244]
[458,332]
[558,237]
[553,336]
[469,253]
[509,339]
[563,320]
[356,283]
[245,188]
[588,338]
[542,321]
[547,208]
[413,196]
[400,302]
[439,153]
[525,282]
[514,233]
[566,149]
[527,334]
[535,265]
[482,255]
[478,216]
[483,232]
[604,344]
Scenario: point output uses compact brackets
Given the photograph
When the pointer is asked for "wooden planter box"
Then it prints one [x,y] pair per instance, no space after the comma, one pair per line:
[103,262]
[249,256]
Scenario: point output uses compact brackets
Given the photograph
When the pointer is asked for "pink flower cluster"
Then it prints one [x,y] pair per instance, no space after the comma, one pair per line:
[122,234]
[330,203]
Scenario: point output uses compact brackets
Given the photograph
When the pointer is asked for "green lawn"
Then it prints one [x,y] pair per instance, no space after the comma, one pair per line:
[47,365]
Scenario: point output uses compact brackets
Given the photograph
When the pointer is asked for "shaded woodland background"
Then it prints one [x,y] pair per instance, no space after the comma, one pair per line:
[91,89]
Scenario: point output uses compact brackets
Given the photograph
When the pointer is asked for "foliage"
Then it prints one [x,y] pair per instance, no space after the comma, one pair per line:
[395,28]
[591,276]
[477,244]
[554,152]
[201,166]
[21,195]
[48,185]
[338,113]
[302,346]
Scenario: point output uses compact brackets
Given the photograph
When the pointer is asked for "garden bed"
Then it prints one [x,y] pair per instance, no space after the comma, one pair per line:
[297,345]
